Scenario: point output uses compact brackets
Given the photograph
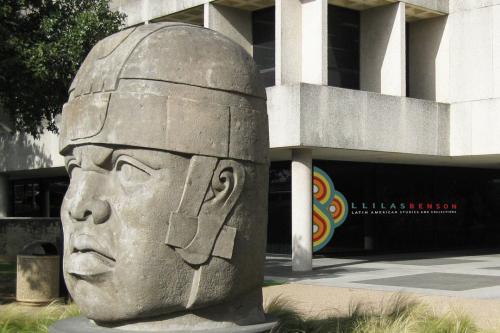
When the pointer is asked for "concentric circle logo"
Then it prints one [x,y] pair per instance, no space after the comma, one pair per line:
[330,209]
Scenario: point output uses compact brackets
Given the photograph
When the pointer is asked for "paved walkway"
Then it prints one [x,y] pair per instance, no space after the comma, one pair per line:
[470,276]
[447,283]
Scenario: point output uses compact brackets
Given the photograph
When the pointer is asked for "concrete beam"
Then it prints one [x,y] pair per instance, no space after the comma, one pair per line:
[301,210]
[234,23]
[382,49]
[331,117]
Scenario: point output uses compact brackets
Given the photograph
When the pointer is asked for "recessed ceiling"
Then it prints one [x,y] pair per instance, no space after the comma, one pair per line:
[413,13]
[192,15]
[249,5]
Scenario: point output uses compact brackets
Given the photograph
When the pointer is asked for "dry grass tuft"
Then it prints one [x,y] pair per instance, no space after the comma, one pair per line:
[16,318]
[399,314]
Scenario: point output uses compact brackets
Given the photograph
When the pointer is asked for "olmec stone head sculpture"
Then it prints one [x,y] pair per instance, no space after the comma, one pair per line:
[165,136]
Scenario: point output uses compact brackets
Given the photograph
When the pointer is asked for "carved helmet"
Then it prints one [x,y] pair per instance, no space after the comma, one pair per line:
[179,88]
[103,108]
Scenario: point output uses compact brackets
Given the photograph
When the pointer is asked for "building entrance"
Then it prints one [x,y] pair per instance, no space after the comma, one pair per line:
[392,208]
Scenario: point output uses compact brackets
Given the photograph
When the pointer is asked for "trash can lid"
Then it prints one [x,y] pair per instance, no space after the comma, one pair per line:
[39,247]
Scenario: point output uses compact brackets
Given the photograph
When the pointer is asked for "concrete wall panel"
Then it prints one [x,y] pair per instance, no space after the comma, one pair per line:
[474,128]
[443,140]
[382,50]
[485,127]
[283,109]
[496,50]
[420,119]
[428,59]
[325,111]
[471,55]
[23,152]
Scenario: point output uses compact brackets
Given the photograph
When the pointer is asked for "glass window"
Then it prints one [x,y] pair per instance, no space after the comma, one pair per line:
[343,47]
[399,207]
[28,199]
[57,190]
[264,43]
[38,197]
[279,233]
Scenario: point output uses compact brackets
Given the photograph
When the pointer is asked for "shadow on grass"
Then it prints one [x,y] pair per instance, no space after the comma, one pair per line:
[400,314]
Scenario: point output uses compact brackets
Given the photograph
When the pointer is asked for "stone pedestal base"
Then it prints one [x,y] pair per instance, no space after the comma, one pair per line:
[84,325]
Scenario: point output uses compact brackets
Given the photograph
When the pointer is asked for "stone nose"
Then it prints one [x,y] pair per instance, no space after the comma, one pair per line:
[90,209]
[86,206]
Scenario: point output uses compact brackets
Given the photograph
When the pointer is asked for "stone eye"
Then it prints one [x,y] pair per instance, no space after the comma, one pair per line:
[131,172]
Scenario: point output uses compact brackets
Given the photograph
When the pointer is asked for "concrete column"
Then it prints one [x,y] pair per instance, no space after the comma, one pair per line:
[4,196]
[302,209]
[383,50]
[145,11]
[288,41]
[232,22]
[315,42]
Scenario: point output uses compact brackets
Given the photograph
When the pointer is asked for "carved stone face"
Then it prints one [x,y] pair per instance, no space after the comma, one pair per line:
[115,215]
[167,148]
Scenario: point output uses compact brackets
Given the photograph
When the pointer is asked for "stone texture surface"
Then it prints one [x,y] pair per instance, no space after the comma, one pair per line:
[83,325]
[167,148]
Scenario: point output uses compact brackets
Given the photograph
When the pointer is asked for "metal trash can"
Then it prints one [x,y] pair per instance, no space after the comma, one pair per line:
[38,267]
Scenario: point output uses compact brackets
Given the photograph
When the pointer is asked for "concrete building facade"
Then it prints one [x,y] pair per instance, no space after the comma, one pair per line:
[413,82]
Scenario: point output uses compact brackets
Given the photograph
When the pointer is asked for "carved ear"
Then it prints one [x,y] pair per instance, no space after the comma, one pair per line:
[212,236]
[226,186]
